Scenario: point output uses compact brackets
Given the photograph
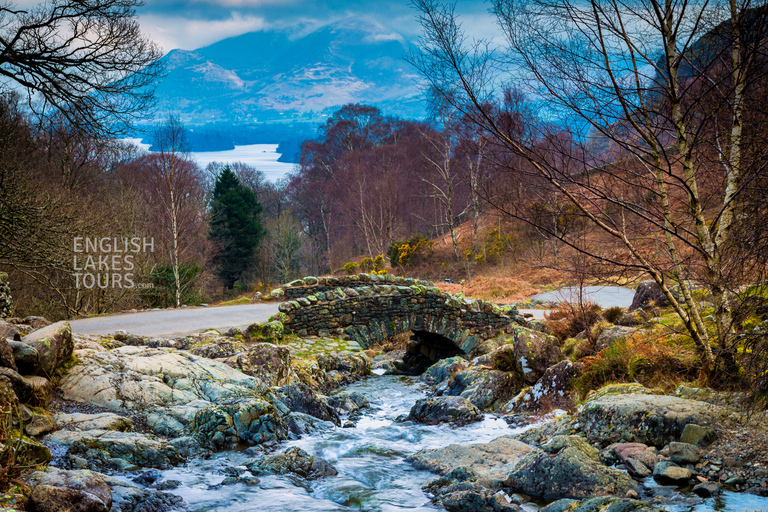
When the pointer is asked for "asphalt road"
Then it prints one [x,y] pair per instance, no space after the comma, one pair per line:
[176,322]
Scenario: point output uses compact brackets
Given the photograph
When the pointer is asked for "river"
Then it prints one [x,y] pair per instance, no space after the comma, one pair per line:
[373,475]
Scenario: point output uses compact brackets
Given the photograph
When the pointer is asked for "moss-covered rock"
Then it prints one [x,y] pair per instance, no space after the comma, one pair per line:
[56,490]
[534,353]
[54,345]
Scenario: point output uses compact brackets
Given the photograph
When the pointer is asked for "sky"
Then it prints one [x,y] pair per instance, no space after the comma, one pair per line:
[192,24]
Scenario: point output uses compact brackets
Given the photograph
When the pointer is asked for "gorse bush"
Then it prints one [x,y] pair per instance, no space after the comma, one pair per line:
[406,252]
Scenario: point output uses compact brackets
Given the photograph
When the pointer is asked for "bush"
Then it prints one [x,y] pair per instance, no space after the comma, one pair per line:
[568,319]
[406,252]
[378,265]
[350,268]
[613,314]
[366,264]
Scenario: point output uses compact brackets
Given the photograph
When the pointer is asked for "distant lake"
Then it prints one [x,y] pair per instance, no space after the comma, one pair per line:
[261,156]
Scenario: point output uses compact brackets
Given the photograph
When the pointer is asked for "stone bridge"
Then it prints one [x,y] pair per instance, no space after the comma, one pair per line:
[370,308]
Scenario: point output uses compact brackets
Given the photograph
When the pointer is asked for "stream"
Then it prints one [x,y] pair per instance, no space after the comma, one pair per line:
[369,457]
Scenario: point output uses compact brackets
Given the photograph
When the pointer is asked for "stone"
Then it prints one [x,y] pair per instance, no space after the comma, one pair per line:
[268,362]
[293,460]
[102,446]
[443,369]
[670,473]
[534,353]
[9,331]
[301,424]
[698,435]
[129,497]
[348,401]
[648,292]
[29,452]
[491,462]
[707,489]
[54,345]
[626,450]
[218,347]
[101,421]
[602,504]
[26,357]
[299,397]
[33,390]
[39,424]
[273,329]
[651,419]
[36,322]
[637,468]
[57,490]
[567,469]
[444,409]
[484,388]
[611,335]
[6,355]
[249,420]
[684,453]
[551,390]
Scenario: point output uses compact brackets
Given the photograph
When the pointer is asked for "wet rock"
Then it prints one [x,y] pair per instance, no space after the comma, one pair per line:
[601,504]
[29,452]
[104,446]
[484,388]
[293,460]
[698,435]
[301,424]
[637,468]
[218,347]
[534,353]
[647,293]
[101,421]
[301,398]
[650,419]
[684,453]
[250,420]
[344,367]
[667,472]
[611,335]
[56,490]
[267,361]
[443,369]
[471,497]
[567,467]
[444,409]
[626,450]
[549,391]
[348,401]
[26,357]
[707,489]
[128,497]
[492,462]
[54,345]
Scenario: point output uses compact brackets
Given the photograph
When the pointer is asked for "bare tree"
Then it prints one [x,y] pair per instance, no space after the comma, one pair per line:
[87,59]
[656,92]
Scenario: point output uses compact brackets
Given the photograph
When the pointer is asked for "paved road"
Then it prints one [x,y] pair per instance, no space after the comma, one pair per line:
[176,322]
[604,296]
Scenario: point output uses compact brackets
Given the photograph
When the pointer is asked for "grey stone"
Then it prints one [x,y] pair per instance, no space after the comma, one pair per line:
[670,473]
[684,453]
[57,490]
[444,409]
[26,357]
[698,435]
[54,345]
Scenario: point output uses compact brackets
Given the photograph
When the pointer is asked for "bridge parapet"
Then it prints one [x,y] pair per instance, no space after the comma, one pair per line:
[313,285]
[371,313]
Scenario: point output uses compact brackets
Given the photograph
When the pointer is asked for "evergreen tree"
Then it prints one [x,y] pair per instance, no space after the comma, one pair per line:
[235,227]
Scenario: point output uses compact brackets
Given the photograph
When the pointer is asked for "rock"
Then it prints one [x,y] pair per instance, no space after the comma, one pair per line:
[344,367]
[103,446]
[667,472]
[301,424]
[127,497]
[234,332]
[648,292]
[650,419]
[484,388]
[633,319]
[121,335]
[102,421]
[249,420]
[220,346]
[36,322]
[698,435]
[29,452]
[534,353]
[458,492]
[492,461]
[601,504]
[9,331]
[6,355]
[269,362]
[39,424]
[566,468]
[293,460]
[54,345]
[443,369]
[707,489]
[33,390]
[26,357]
[626,450]
[444,409]
[549,391]
[301,398]
[684,453]
[348,401]
[611,335]
[273,329]
[637,468]
[57,490]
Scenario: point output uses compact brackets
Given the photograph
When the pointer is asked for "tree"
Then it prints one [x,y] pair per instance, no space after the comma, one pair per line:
[87,59]
[660,98]
[235,227]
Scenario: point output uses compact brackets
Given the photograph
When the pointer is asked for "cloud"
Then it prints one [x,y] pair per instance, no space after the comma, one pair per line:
[172,32]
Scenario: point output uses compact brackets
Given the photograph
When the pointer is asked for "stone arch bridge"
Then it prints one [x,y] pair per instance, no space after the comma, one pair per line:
[370,308]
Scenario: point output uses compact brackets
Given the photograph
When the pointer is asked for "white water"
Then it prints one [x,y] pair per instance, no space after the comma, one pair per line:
[261,156]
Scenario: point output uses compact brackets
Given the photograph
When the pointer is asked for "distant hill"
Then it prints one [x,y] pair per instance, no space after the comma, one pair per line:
[278,78]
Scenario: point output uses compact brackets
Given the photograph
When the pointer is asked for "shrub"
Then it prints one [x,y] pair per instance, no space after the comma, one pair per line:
[613,314]
[366,264]
[569,319]
[350,268]
[406,252]
[378,265]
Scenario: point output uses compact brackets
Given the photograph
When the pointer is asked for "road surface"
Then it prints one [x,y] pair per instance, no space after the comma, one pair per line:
[171,323]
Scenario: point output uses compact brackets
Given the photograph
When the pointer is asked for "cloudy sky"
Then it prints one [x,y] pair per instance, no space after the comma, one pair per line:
[191,24]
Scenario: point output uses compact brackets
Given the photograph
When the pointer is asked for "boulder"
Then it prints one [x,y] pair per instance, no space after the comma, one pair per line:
[458,491]
[534,353]
[29,452]
[651,419]
[9,331]
[301,398]
[273,329]
[217,347]
[117,449]
[637,468]
[492,462]
[698,435]
[648,292]
[269,362]
[101,421]
[249,420]
[128,497]
[667,472]
[301,424]
[293,460]
[707,489]
[601,504]
[26,357]
[626,450]
[684,453]
[444,409]
[54,345]
[611,335]
[39,424]
[567,467]
[443,369]
[344,368]
[348,401]
[58,490]
[36,322]
[484,388]
[6,355]
[550,391]
[33,390]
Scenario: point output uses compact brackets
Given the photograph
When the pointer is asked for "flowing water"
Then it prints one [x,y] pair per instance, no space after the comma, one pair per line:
[369,457]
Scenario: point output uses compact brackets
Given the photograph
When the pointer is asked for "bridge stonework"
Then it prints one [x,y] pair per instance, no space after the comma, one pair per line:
[373,312]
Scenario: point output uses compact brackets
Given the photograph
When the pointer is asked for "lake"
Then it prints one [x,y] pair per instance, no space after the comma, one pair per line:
[261,156]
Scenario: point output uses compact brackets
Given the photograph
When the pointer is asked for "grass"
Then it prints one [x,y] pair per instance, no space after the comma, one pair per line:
[245,299]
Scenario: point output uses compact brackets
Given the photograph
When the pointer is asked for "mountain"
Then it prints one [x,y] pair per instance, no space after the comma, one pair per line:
[283,77]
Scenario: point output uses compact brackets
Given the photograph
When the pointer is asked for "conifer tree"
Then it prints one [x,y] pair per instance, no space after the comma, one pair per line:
[235,227]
